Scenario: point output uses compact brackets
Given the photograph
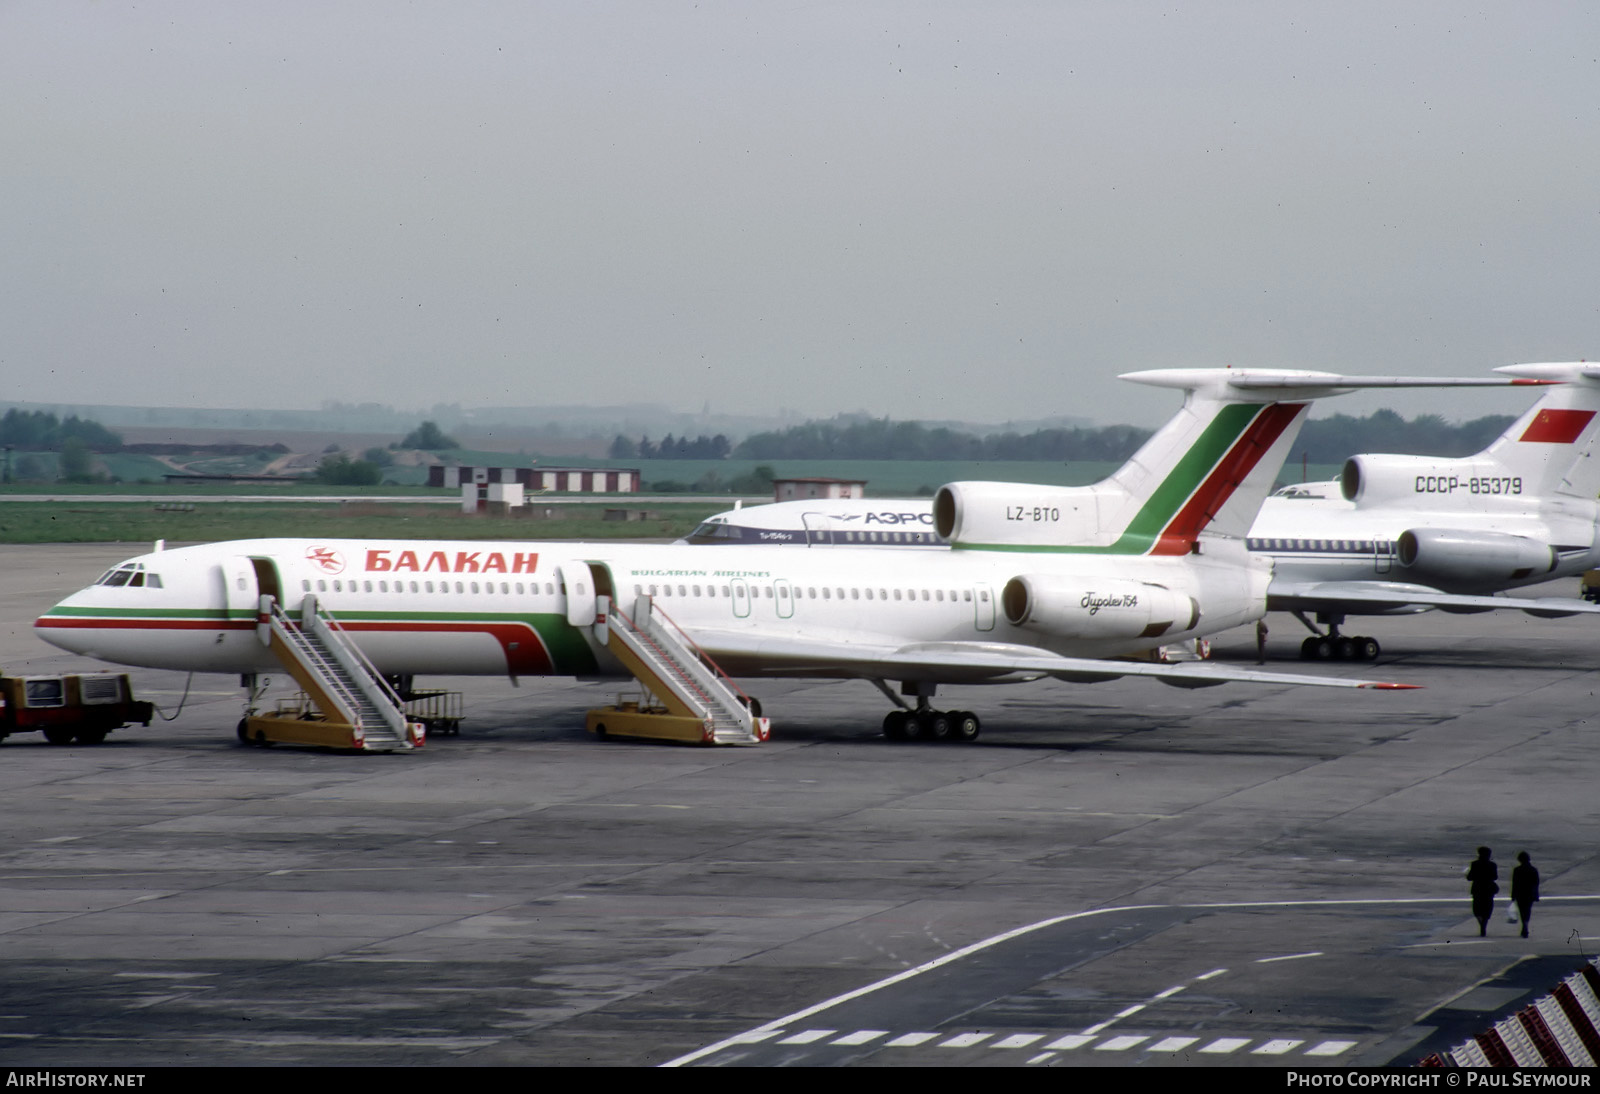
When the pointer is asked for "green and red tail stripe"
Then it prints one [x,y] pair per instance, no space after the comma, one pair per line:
[1266,425]
[1201,483]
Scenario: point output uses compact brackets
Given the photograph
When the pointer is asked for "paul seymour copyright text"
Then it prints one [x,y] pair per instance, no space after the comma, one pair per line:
[1433,1079]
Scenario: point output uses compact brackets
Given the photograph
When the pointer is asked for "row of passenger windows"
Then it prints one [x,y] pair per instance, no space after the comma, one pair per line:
[715,531]
[779,592]
[887,537]
[811,592]
[1362,546]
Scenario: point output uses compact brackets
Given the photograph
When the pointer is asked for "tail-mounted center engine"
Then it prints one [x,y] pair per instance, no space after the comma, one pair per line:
[1072,608]
[1428,482]
[1004,514]
[1450,558]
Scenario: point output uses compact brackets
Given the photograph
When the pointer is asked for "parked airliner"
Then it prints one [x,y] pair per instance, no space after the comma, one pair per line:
[1393,534]
[1083,584]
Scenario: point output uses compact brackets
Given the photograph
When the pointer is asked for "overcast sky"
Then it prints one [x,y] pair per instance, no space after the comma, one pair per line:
[928,210]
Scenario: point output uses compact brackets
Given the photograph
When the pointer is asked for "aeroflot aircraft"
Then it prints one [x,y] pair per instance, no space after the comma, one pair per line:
[1064,582]
[1392,534]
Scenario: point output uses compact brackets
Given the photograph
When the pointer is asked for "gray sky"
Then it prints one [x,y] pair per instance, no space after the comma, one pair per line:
[939,210]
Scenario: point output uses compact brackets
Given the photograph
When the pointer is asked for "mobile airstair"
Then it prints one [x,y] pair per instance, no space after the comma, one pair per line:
[344,702]
[686,697]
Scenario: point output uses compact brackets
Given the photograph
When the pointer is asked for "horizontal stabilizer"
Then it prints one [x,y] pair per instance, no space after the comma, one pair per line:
[1554,372]
[1377,597]
[1267,384]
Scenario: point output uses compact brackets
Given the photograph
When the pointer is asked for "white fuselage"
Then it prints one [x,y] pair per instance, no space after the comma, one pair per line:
[1314,535]
[496,608]
[1309,532]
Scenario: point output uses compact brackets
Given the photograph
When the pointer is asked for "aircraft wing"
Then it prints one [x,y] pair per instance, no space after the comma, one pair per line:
[971,663]
[1378,597]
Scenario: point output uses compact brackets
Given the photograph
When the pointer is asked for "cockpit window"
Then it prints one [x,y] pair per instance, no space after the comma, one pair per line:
[715,531]
[131,574]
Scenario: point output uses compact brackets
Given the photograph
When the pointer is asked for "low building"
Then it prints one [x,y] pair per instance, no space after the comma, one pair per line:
[803,489]
[539,480]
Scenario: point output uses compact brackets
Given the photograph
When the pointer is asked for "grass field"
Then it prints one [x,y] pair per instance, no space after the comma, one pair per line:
[907,478]
[133,522]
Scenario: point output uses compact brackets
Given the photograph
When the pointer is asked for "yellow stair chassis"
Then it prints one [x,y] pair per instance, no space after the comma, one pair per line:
[290,729]
[297,722]
[651,723]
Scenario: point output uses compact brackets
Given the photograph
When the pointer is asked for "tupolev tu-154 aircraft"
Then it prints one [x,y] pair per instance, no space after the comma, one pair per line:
[1078,584]
[1393,534]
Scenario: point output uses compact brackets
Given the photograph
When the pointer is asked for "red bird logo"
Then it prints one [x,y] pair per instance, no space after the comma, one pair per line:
[331,561]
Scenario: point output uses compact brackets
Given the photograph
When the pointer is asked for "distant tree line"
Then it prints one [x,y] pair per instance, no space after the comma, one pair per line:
[42,431]
[671,448]
[1331,440]
[430,437]
[340,470]
[1325,440]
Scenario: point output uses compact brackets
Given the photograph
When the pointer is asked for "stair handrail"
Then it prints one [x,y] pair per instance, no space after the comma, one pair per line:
[378,679]
[704,657]
[292,634]
[368,679]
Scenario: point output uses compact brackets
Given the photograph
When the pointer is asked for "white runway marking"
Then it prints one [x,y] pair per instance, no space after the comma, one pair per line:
[1276,1047]
[965,1040]
[1018,932]
[808,1036]
[1330,1048]
[860,1037]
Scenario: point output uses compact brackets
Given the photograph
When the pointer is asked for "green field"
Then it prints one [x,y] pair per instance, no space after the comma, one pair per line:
[907,478]
[135,522]
[118,522]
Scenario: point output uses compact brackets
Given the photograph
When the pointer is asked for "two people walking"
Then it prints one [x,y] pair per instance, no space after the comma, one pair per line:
[1483,879]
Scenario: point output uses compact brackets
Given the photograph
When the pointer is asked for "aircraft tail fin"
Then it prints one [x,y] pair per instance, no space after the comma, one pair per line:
[1552,447]
[1207,470]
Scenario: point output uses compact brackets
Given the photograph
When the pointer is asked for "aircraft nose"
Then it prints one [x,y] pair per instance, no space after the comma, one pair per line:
[67,626]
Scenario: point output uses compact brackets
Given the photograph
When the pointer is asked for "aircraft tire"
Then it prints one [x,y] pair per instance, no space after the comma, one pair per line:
[1308,649]
[1323,649]
[915,728]
[1367,649]
[1344,649]
[936,726]
[894,725]
[964,726]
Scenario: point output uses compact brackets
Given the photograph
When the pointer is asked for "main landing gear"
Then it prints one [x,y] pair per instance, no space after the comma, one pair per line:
[925,723]
[1334,646]
[931,725]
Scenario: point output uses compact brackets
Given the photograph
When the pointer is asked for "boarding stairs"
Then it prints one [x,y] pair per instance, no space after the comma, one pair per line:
[681,682]
[354,705]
